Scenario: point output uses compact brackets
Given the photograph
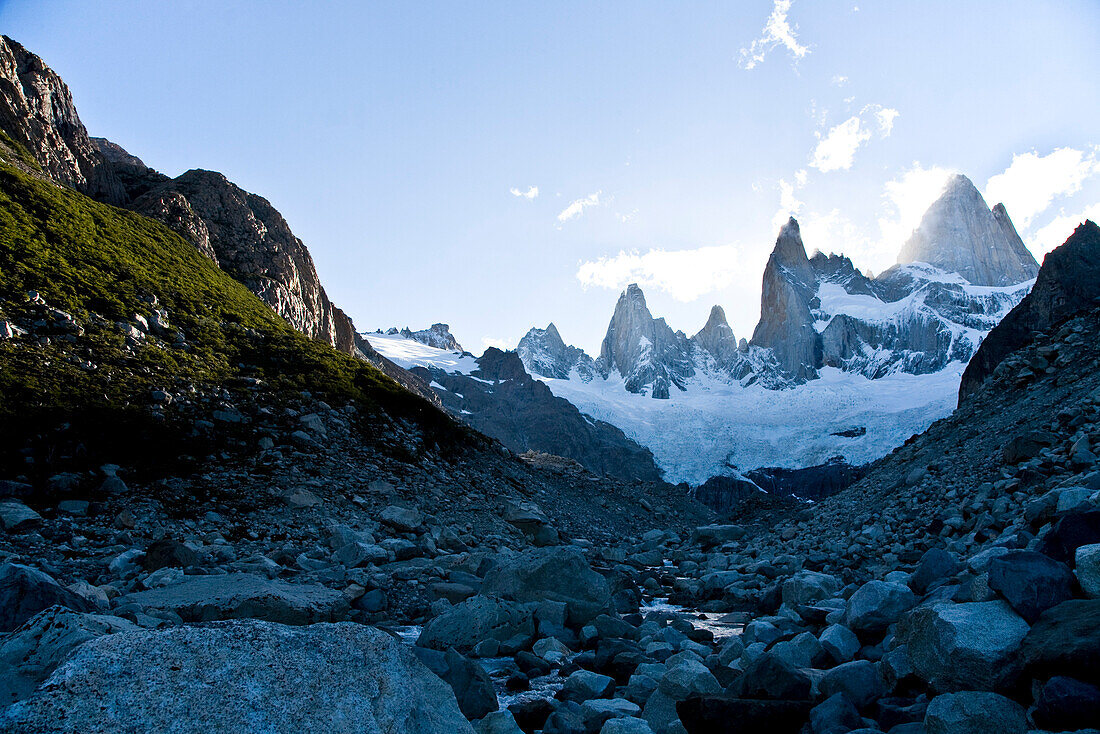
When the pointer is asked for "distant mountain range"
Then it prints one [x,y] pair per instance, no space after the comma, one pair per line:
[839,365]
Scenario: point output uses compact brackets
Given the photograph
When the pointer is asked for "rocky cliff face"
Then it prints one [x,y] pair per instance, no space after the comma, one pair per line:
[37,111]
[786,326]
[1068,283]
[240,231]
[717,339]
[959,234]
[645,351]
[543,352]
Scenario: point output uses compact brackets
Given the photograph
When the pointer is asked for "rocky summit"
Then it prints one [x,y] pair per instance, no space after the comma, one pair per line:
[224,509]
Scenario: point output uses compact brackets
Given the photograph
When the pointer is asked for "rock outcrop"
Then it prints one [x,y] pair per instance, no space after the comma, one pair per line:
[37,112]
[1068,283]
[645,351]
[437,335]
[959,234]
[786,325]
[717,339]
[544,353]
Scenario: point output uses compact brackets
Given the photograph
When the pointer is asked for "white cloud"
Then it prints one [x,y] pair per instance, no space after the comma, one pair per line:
[886,117]
[624,218]
[502,344]
[839,81]
[683,274]
[837,150]
[531,192]
[907,198]
[789,205]
[800,177]
[1058,230]
[777,32]
[578,206]
[1031,183]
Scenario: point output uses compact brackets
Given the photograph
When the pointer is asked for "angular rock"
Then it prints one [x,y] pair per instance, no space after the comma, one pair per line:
[474,620]
[25,591]
[963,646]
[472,686]
[1067,704]
[1065,641]
[585,684]
[716,714]
[560,574]
[974,712]
[858,680]
[808,587]
[403,518]
[30,653]
[15,516]
[242,676]
[1030,582]
[878,604]
[245,596]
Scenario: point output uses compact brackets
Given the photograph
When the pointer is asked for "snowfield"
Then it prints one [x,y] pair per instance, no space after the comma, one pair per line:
[714,426]
[409,353]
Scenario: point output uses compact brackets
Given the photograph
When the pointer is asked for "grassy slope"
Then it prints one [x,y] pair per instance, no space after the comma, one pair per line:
[88,258]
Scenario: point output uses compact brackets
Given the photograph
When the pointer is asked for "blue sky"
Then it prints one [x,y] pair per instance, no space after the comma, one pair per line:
[666,140]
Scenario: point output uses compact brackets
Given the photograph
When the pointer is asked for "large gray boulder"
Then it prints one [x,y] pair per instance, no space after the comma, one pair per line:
[560,574]
[963,646]
[809,587]
[245,596]
[242,676]
[974,712]
[26,591]
[476,619]
[29,654]
[470,682]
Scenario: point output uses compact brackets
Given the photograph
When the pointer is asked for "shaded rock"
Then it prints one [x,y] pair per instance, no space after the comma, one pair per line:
[585,684]
[1065,641]
[474,620]
[713,714]
[560,574]
[403,518]
[963,646]
[858,680]
[808,587]
[771,678]
[243,596]
[242,676]
[25,591]
[1030,582]
[168,553]
[1067,704]
[936,565]
[30,653]
[839,642]
[974,712]
[878,604]
[835,715]
[1077,528]
[15,516]
[472,686]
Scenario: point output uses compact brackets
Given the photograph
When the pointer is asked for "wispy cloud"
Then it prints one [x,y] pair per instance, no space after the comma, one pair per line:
[577,207]
[789,205]
[532,192]
[906,198]
[1030,184]
[683,274]
[836,150]
[777,32]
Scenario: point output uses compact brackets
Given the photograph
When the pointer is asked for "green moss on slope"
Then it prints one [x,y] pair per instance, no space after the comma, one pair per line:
[94,260]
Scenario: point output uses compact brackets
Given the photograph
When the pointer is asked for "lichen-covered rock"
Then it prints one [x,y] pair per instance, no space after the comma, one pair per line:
[242,676]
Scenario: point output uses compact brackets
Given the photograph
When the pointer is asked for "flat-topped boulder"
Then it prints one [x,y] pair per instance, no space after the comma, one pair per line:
[245,596]
[244,675]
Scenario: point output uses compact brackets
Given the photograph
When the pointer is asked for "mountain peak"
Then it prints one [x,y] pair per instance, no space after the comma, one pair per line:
[960,234]
[717,317]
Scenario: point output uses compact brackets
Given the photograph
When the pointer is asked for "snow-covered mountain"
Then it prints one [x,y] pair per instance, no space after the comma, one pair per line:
[839,363]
